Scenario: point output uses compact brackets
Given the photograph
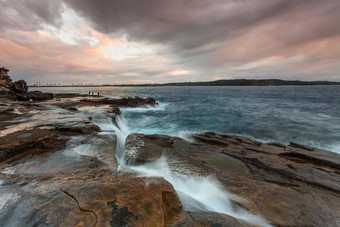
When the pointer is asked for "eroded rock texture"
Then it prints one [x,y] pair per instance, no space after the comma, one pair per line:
[58,168]
[290,185]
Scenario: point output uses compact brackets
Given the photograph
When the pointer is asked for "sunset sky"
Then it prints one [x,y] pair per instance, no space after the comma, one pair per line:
[143,41]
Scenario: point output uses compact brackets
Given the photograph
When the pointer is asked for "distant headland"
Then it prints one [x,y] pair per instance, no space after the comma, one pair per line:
[237,82]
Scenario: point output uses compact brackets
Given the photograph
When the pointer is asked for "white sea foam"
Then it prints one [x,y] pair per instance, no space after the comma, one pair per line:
[198,193]
[122,131]
[9,170]
[16,111]
[7,197]
[195,192]
[324,115]
[82,149]
[120,128]
[160,107]
[334,148]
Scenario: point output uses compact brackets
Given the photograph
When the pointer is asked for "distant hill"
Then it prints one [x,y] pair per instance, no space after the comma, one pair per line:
[239,82]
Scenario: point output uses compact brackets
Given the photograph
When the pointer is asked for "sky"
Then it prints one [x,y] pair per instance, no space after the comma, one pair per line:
[158,41]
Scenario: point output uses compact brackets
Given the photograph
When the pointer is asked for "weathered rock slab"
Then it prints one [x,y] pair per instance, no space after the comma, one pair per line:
[287,185]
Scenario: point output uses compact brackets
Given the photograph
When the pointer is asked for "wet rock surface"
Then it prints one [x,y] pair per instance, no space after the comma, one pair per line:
[94,197]
[58,168]
[289,185]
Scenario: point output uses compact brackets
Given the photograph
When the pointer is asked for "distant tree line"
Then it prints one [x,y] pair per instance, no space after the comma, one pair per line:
[239,82]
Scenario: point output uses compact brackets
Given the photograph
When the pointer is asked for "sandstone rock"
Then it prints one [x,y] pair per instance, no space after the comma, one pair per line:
[20,86]
[216,219]
[84,127]
[136,153]
[65,174]
[288,185]
[5,80]
[83,199]
[35,96]
[25,142]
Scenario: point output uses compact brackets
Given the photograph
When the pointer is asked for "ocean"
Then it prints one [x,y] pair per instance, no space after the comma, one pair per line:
[308,115]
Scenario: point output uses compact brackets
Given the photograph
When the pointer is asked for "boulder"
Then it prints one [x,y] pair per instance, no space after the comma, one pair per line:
[137,152]
[5,80]
[34,96]
[20,86]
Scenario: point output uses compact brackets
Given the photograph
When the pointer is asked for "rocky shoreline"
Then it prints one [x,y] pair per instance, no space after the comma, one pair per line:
[58,168]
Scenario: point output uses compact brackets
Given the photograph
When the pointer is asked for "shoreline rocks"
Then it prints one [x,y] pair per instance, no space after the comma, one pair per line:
[34,96]
[18,90]
[288,185]
[5,80]
[57,167]
[20,86]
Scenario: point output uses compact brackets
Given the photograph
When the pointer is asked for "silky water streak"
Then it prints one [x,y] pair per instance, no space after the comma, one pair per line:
[195,192]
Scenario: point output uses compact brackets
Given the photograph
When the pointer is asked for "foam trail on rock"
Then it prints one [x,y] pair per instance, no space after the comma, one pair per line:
[122,131]
[118,125]
[195,192]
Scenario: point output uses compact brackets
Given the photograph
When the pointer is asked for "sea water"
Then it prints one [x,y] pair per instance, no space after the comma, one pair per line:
[197,193]
[308,115]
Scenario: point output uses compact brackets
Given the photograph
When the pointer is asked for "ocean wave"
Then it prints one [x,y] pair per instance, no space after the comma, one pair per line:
[323,115]
[160,107]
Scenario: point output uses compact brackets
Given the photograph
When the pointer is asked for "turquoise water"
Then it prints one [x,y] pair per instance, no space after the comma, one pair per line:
[308,115]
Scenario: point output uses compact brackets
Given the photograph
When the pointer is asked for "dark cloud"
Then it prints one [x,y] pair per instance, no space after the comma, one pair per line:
[194,23]
[29,15]
[211,39]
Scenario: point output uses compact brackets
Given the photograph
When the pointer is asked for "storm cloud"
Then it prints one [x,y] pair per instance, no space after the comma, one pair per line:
[191,24]
[29,15]
[146,41]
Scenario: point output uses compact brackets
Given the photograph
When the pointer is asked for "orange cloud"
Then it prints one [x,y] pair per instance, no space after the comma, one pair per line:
[10,48]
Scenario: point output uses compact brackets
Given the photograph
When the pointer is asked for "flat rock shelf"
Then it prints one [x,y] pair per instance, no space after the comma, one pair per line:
[58,167]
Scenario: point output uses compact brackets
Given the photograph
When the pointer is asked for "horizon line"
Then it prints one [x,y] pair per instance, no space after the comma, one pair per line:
[193,82]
